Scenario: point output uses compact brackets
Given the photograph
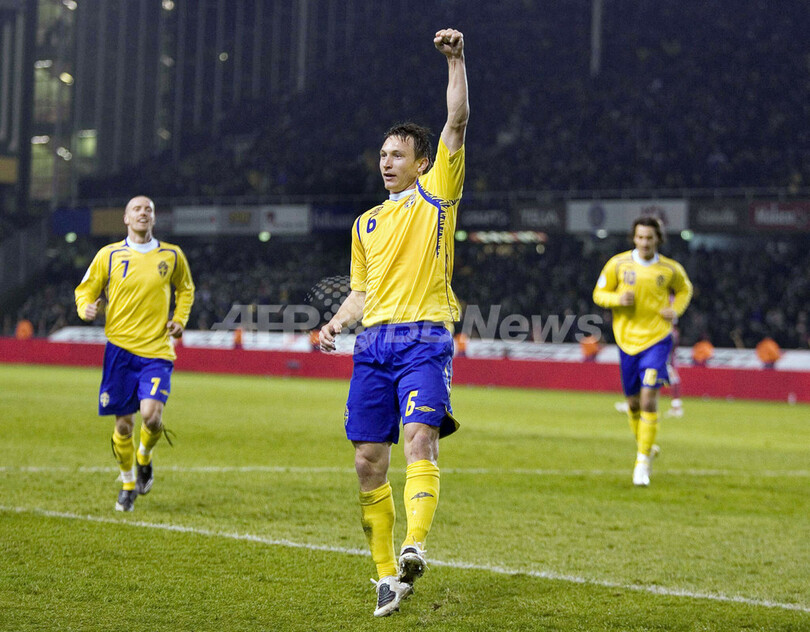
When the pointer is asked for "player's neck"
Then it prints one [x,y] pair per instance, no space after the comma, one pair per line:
[395,197]
[139,237]
[639,258]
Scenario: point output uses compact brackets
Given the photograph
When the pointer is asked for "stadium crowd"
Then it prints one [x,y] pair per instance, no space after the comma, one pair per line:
[741,295]
[688,95]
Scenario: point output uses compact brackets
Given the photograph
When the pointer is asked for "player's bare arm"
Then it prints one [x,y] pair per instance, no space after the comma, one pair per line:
[450,43]
[350,312]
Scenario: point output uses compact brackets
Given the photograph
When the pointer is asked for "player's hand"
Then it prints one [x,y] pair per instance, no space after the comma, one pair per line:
[669,314]
[91,311]
[627,298]
[175,329]
[326,337]
[449,42]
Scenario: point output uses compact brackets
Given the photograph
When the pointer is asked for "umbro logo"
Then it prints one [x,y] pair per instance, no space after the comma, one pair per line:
[426,409]
[422,495]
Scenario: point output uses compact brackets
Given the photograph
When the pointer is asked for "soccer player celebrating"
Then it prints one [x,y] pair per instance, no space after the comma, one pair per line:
[137,275]
[402,265]
[636,285]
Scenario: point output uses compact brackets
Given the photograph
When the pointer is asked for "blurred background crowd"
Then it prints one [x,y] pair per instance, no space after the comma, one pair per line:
[742,295]
[676,98]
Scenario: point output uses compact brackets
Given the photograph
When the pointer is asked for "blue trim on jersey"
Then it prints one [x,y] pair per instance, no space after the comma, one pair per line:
[440,205]
[437,202]
[109,268]
[174,252]
[447,288]
[357,226]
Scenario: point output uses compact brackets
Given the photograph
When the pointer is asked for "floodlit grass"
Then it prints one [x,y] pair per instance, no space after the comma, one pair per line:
[253,522]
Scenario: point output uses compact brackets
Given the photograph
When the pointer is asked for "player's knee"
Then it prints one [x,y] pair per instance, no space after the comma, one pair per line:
[421,443]
[370,472]
[649,404]
[152,419]
[124,424]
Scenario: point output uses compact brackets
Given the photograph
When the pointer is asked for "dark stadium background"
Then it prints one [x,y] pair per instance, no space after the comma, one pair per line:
[252,103]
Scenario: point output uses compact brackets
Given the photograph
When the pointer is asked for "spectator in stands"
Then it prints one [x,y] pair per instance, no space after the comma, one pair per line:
[460,342]
[702,352]
[768,352]
[24,329]
[590,346]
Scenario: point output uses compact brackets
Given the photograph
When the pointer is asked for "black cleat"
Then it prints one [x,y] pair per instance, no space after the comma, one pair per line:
[144,478]
[126,500]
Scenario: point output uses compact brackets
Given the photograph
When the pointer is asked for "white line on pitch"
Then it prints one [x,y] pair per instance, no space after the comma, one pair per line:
[282,469]
[500,570]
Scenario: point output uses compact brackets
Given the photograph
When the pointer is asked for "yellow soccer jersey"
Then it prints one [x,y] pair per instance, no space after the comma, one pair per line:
[138,293]
[402,250]
[639,326]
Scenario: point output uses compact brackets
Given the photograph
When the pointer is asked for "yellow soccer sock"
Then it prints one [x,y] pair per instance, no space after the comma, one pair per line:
[633,417]
[124,449]
[647,429]
[148,441]
[377,516]
[421,500]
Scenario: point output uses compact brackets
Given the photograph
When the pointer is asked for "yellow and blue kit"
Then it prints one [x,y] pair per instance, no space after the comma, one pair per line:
[137,286]
[644,336]
[402,258]
[402,250]
[136,280]
[641,325]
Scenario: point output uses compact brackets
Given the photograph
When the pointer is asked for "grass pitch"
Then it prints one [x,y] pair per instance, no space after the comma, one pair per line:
[253,522]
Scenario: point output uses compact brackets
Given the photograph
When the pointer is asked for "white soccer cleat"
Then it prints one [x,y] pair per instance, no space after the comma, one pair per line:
[621,407]
[412,563]
[390,593]
[641,472]
[674,412]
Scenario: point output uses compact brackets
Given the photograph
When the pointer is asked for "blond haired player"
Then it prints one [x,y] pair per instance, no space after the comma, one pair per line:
[136,276]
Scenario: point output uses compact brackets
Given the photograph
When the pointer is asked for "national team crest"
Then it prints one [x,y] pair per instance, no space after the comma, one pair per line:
[163,268]
[659,280]
[104,399]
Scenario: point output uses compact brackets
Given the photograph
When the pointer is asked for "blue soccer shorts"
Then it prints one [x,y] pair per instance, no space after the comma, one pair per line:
[646,369]
[128,378]
[401,372]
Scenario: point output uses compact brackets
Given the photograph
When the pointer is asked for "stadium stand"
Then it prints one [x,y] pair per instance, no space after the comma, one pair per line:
[689,95]
[741,295]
